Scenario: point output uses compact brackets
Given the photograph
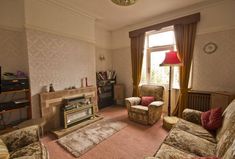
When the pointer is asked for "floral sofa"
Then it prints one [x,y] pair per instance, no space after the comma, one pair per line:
[188,139]
[22,144]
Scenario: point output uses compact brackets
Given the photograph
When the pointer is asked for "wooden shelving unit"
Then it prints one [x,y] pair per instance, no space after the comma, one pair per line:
[105,81]
[17,91]
[6,107]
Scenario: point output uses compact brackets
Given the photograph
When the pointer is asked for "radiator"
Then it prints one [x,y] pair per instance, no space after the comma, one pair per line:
[199,101]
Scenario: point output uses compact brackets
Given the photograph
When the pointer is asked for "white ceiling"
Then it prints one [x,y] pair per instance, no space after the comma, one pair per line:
[112,16]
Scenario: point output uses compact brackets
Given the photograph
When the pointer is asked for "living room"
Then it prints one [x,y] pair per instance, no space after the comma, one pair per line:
[66,42]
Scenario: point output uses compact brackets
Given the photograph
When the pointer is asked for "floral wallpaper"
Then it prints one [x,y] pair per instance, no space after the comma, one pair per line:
[59,60]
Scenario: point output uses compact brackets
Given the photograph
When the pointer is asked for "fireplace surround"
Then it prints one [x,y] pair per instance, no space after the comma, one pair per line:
[51,105]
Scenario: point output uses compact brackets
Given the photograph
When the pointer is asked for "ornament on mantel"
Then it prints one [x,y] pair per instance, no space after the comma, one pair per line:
[51,88]
[84,84]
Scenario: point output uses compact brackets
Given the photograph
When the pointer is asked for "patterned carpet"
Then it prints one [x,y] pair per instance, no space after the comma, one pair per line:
[81,141]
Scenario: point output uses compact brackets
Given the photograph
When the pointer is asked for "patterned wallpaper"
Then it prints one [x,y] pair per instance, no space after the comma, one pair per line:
[216,71]
[13,56]
[58,60]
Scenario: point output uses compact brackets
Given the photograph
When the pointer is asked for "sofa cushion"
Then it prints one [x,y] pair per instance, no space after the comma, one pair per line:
[195,130]
[4,154]
[139,109]
[34,149]
[21,137]
[170,152]
[212,119]
[146,100]
[225,141]
[228,120]
[192,115]
[190,143]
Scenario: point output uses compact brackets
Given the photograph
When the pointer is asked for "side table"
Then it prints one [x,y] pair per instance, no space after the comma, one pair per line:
[39,121]
[169,122]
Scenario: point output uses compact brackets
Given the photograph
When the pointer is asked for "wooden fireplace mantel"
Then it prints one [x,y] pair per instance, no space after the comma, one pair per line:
[50,104]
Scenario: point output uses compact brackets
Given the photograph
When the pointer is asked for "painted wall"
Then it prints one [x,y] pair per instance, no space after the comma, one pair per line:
[103,48]
[52,17]
[215,72]
[13,55]
[216,25]
[12,14]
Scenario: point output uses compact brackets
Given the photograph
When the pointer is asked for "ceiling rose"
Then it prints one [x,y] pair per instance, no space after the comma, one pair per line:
[124,2]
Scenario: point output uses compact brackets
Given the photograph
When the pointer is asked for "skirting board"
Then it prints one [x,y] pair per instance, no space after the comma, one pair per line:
[62,132]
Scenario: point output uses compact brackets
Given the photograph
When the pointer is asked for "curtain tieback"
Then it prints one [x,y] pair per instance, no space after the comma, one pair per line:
[184,91]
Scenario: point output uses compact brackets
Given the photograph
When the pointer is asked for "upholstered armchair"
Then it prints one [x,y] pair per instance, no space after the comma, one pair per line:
[146,114]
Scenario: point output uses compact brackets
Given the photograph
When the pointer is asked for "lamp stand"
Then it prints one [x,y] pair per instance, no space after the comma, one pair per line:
[169,93]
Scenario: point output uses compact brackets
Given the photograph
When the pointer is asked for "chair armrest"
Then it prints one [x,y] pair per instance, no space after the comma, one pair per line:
[154,111]
[132,101]
[156,104]
[191,115]
[21,137]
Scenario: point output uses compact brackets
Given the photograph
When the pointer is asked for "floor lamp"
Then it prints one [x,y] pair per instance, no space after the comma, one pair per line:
[171,59]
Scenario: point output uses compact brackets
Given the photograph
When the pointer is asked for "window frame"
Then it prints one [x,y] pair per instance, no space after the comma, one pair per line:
[149,50]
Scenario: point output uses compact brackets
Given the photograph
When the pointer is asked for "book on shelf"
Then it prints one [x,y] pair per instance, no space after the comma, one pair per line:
[106,75]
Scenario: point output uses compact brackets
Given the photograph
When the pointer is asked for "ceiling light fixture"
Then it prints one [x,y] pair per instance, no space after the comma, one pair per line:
[124,2]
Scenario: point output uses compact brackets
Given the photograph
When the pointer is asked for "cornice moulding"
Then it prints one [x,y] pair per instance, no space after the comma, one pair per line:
[42,29]
[172,15]
[215,29]
[11,28]
[72,10]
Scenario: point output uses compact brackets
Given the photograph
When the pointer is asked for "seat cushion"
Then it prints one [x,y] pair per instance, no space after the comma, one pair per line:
[195,130]
[190,143]
[170,152]
[4,154]
[20,137]
[139,109]
[34,149]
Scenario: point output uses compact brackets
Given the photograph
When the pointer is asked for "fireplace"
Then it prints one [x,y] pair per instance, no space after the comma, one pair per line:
[75,110]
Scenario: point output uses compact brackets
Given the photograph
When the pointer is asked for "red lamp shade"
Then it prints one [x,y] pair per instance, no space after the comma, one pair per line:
[171,59]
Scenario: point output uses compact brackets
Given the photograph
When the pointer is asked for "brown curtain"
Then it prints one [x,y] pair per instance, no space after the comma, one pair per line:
[137,50]
[185,37]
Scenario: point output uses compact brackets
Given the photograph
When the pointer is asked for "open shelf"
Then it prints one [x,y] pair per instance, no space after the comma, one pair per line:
[16,91]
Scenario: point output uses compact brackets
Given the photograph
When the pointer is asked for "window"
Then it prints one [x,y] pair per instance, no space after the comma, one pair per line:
[157,43]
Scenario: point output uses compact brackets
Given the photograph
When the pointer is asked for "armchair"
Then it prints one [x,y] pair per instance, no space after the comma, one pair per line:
[146,114]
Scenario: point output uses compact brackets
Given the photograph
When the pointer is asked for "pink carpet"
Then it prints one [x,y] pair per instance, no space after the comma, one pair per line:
[132,142]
